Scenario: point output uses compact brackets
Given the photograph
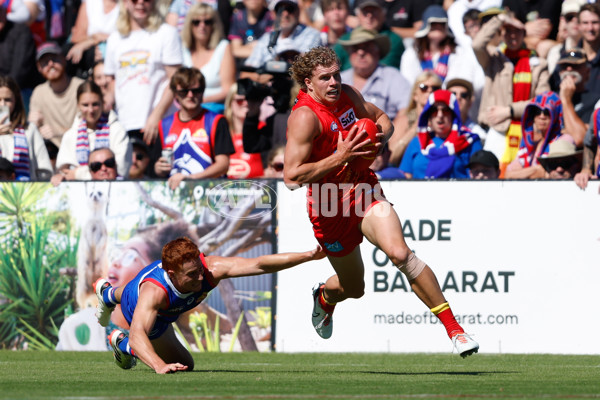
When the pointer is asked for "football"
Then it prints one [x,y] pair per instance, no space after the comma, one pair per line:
[363,162]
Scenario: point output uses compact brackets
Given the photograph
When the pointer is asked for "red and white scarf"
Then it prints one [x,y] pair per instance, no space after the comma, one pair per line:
[20,155]
[441,67]
[83,145]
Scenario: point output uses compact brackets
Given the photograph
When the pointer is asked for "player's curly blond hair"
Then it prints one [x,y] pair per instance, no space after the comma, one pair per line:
[305,64]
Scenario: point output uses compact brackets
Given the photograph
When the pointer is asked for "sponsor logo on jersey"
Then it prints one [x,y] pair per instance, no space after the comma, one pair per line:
[348,118]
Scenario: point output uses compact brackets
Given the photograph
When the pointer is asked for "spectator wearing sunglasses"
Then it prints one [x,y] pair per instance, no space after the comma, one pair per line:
[405,123]
[93,129]
[568,32]
[563,160]
[206,48]
[198,139]
[542,124]
[463,90]
[442,147]
[569,80]
[242,165]
[102,165]
[140,159]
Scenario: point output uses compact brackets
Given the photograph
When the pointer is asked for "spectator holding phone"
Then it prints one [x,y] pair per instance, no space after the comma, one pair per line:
[20,142]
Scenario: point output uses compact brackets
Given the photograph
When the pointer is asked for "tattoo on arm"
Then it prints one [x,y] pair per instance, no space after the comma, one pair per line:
[588,159]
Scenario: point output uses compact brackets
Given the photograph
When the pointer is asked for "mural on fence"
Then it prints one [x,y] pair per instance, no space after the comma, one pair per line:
[55,242]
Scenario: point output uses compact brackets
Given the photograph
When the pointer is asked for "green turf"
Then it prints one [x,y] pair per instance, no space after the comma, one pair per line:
[44,375]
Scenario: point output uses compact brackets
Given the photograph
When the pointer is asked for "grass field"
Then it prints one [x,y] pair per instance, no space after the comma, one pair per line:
[52,375]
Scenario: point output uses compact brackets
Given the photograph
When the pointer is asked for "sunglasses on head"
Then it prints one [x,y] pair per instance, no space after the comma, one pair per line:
[108,163]
[277,167]
[425,88]
[206,22]
[184,92]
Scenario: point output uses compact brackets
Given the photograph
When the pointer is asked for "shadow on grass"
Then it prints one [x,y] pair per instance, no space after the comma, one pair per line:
[449,373]
[455,373]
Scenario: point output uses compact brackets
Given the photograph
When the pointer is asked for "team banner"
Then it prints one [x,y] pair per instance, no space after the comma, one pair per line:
[55,242]
[518,262]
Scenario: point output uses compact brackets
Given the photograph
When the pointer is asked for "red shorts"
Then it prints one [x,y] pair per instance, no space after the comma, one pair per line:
[336,211]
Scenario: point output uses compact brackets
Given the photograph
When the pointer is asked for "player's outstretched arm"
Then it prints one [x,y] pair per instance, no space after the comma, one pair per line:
[151,298]
[232,267]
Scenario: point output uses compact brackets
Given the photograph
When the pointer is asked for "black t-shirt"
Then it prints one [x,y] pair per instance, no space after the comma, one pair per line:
[530,10]
[223,143]
[404,13]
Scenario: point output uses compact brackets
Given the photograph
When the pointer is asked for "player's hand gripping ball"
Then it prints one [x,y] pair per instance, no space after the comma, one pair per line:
[364,161]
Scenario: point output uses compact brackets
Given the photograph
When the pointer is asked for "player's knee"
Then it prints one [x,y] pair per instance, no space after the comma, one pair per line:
[412,267]
[399,255]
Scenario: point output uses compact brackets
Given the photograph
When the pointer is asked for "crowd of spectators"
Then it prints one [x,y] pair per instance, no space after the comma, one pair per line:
[188,89]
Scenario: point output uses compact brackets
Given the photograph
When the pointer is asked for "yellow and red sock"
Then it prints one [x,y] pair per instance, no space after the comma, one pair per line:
[325,305]
[445,315]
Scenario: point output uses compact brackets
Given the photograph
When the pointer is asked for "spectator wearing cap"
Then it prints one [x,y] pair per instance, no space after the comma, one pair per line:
[17,52]
[434,49]
[288,32]
[504,98]
[7,170]
[53,104]
[563,160]
[371,15]
[542,124]
[335,15]
[569,34]
[540,20]
[456,13]
[569,80]
[140,159]
[442,148]
[379,84]
[463,90]
[484,165]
